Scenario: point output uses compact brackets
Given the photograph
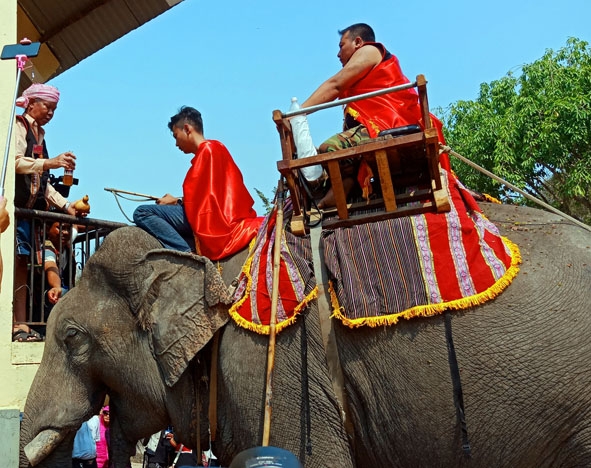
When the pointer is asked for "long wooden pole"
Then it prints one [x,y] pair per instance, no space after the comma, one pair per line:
[273,319]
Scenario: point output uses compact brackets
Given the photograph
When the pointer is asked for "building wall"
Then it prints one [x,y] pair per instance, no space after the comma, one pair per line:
[18,361]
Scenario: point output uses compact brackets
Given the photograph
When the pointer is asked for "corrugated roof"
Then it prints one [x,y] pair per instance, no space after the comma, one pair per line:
[71,30]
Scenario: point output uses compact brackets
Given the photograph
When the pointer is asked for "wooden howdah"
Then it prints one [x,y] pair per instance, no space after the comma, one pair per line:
[406,172]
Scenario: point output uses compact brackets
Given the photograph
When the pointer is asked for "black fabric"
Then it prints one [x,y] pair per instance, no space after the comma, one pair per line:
[398,131]
[457,385]
[164,454]
[80,463]
[186,459]
[305,388]
[22,182]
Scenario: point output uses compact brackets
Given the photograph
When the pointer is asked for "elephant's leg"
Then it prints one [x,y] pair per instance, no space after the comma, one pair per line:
[120,449]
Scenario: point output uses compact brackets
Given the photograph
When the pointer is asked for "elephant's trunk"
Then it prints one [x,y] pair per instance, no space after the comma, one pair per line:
[42,445]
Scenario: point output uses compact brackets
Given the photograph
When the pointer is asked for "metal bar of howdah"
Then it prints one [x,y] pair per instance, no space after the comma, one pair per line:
[340,102]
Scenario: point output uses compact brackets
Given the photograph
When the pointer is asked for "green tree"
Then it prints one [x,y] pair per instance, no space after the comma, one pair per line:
[534,130]
[267,202]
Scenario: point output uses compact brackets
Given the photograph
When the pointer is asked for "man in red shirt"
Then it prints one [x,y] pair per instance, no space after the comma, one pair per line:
[215,216]
[367,67]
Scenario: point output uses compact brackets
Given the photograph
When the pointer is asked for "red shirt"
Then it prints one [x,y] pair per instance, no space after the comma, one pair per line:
[388,110]
[217,203]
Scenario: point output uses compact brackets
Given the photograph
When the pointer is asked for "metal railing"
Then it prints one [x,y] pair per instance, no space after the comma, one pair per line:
[71,254]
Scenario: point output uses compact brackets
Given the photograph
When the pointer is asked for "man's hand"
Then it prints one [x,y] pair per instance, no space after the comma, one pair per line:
[54,295]
[167,199]
[66,160]
[79,208]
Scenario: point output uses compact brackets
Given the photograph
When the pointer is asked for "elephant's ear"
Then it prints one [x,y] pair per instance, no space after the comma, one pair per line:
[184,302]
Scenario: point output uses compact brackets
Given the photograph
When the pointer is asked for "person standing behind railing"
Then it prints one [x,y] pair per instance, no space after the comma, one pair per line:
[32,189]
[57,251]
[367,67]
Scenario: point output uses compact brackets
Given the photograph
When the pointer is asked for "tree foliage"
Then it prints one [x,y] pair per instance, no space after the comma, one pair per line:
[533,130]
[267,202]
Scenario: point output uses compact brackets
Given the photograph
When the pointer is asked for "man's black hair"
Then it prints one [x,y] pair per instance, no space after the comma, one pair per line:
[188,115]
[364,31]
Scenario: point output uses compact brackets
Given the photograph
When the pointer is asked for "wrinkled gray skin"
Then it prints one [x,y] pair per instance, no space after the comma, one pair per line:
[524,359]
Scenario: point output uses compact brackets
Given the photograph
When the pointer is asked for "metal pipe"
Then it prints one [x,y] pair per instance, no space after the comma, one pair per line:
[10,125]
[340,102]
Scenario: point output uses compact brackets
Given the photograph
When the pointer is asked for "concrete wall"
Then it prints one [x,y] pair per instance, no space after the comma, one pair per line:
[18,361]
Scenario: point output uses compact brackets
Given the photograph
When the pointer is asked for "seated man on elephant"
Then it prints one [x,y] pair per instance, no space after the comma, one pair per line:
[215,215]
[367,66]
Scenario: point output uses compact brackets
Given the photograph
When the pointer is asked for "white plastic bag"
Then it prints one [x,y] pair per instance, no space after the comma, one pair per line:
[303,141]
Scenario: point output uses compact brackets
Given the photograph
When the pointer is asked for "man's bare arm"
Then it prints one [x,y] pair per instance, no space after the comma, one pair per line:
[359,65]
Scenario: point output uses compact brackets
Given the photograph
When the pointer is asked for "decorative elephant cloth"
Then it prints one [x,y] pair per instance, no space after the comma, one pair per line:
[297,286]
[418,265]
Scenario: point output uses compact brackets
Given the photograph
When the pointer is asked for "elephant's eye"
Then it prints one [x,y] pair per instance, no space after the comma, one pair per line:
[76,341]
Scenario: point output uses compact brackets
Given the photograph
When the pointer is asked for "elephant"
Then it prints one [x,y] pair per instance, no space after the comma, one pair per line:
[523,358]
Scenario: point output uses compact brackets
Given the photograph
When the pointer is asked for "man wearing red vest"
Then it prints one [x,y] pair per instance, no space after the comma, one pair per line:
[215,217]
[367,67]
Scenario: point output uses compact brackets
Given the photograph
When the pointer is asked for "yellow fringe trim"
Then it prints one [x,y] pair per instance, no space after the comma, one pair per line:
[259,328]
[433,309]
[266,329]
[490,198]
[337,309]
[427,310]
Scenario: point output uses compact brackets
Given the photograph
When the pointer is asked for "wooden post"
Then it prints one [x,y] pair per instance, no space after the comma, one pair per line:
[273,319]
[386,179]
[334,170]
[424,101]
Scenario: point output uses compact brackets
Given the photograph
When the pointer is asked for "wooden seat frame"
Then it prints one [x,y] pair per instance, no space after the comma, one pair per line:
[404,162]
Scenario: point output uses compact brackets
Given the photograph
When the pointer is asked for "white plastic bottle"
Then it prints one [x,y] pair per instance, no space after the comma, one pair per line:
[303,141]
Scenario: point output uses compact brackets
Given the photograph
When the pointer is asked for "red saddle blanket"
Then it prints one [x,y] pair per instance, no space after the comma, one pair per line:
[383,271]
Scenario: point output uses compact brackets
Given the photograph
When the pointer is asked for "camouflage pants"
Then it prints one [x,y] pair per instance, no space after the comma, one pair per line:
[343,140]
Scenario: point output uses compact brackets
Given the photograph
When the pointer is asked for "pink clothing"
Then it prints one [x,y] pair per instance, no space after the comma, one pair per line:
[102,446]
[38,91]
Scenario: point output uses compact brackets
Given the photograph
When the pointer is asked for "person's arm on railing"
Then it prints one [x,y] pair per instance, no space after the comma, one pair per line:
[54,281]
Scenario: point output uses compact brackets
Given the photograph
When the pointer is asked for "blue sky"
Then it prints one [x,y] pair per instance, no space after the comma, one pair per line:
[238,61]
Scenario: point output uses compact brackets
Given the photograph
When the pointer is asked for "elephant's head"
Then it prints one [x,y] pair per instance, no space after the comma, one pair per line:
[129,329]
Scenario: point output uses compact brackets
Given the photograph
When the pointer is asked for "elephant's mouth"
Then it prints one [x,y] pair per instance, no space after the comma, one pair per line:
[43,444]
